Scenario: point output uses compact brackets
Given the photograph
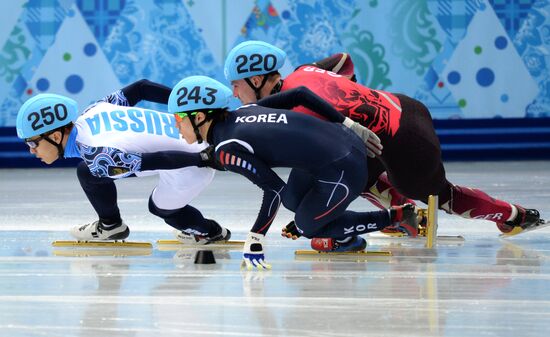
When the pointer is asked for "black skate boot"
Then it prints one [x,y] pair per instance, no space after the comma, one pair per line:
[223,235]
[404,220]
[524,220]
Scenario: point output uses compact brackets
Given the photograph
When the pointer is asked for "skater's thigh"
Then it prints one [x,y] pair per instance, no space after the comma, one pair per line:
[416,171]
[333,189]
[298,184]
[176,188]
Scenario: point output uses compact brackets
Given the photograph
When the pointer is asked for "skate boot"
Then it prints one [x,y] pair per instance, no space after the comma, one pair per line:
[350,244]
[223,236]
[525,219]
[404,220]
[97,231]
[198,240]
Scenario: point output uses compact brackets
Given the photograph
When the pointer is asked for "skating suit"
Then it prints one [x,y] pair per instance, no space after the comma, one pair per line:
[110,137]
[411,155]
[412,152]
[328,172]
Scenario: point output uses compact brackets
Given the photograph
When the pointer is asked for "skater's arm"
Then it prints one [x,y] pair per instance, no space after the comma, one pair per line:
[302,96]
[115,163]
[170,160]
[340,64]
[138,91]
[236,158]
[146,90]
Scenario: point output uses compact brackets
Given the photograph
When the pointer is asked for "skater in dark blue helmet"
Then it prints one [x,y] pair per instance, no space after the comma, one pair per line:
[329,172]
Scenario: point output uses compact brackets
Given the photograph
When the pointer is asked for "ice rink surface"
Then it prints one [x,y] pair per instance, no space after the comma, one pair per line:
[484,286]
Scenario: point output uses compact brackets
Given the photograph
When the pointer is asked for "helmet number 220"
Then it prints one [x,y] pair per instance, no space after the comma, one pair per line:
[268,62]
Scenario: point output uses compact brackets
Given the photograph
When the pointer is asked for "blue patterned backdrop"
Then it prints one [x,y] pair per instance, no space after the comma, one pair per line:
[465,59]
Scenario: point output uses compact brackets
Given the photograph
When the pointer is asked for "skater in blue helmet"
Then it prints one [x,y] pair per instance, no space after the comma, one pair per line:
[331,171]
[111,137]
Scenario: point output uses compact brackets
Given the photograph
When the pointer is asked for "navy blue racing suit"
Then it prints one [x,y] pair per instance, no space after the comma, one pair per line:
[328,161]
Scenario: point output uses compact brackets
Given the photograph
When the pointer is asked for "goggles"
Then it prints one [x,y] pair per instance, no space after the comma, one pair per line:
[33,143]
[181,115]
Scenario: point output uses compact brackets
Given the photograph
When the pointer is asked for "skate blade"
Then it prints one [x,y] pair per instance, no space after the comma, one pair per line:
[519,230]
[103,252]
[359,253]
[394,234]
[446,238]
[179,243]
[103,244]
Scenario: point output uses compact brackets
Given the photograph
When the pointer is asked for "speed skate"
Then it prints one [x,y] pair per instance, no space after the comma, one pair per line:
[519,230]
[427,230]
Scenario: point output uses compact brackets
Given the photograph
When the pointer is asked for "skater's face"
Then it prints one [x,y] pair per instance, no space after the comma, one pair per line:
[183,123]
[43,149]
[243,91]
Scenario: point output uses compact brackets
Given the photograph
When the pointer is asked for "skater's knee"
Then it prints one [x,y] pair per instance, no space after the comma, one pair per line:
[290,202]
[162,213]
[306,227]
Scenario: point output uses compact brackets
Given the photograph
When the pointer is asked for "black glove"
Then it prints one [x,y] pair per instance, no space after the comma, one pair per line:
[208,159]
[290,231]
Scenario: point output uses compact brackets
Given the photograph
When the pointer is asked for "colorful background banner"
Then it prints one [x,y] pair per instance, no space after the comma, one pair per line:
[465,60]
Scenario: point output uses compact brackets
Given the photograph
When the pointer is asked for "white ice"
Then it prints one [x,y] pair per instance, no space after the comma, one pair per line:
[485,286]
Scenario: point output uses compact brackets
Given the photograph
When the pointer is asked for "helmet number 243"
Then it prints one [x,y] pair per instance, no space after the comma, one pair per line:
[195,95]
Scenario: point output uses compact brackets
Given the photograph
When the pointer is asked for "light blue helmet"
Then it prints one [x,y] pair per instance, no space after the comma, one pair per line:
[198,93]
[252,58]
[43,113]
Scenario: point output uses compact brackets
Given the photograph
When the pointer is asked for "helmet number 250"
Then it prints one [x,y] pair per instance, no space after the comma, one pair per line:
[194,94]
[268,62]
[47,116]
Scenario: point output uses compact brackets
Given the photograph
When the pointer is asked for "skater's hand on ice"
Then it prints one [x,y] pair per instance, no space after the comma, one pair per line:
[253,253]
[369,138]
[291,231]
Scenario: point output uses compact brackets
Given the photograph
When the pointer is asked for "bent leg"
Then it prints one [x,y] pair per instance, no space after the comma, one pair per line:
[169,200]
[186,219]
[298,184]
[102,194]
[472,203]
[322,211]
[383,194]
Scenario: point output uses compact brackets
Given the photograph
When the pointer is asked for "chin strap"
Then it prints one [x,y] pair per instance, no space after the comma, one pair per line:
[59,146]
[257,89]
[277,88]
[197,126]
